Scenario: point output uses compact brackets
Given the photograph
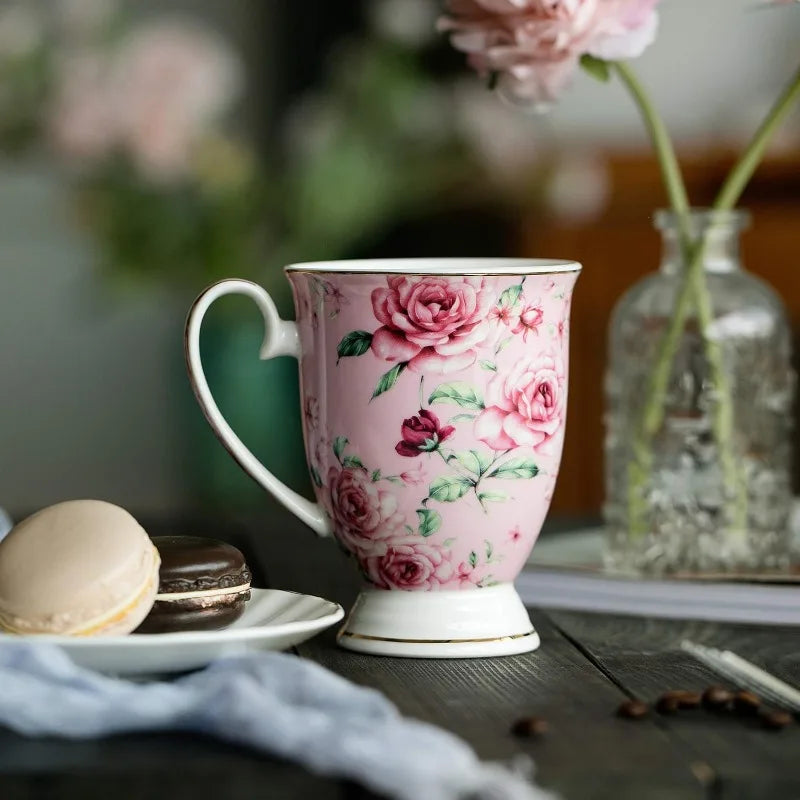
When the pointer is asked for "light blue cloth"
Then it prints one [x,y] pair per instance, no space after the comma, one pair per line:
[5,523]
[278,704]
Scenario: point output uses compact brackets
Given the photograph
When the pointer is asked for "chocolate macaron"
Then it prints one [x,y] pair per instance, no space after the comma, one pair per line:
[204,585]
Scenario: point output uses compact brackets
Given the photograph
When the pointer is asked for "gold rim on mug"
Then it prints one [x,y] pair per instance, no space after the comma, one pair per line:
[440,267]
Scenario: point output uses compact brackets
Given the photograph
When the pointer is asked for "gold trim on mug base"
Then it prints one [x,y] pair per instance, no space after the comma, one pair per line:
[347,634]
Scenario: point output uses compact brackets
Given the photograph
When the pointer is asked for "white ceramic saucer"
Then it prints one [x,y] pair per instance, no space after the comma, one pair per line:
[273,620]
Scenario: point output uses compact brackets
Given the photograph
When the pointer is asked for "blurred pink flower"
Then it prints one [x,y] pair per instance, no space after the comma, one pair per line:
[153,98]
[82,122]
[535,46]
[173,79]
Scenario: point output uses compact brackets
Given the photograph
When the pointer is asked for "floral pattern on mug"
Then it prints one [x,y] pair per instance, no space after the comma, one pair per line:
[525,407]
[409,564]
[484,361]
[429,324]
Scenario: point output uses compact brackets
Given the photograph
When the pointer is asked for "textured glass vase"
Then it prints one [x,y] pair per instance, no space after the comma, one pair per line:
[698,475]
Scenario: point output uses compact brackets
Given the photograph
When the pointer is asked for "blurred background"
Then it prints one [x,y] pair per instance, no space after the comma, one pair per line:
[150,148]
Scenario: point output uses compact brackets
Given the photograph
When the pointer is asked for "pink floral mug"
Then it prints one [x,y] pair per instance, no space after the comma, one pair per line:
[434,394]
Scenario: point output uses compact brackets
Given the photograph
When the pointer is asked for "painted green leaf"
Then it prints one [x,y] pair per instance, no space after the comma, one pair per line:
[352,461]
[489,549]
[355,343]
[339,444]
[448,542]
[395,479]
[502,346]
[521,467]
[376,476]
[458,393]
[449,488]
[488,365]
[388,379]
[473,559]
[473,461]
[596,67]
[429,521]
[492,497]
[315,477]
[510,297]
[462,418]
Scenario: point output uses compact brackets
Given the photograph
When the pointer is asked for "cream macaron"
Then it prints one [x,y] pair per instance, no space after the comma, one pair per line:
[80,568]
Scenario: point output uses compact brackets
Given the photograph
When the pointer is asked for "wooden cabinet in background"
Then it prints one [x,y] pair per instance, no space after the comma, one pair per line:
[619,248]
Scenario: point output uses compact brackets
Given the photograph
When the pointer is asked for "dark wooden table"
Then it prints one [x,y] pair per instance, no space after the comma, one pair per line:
[586,666]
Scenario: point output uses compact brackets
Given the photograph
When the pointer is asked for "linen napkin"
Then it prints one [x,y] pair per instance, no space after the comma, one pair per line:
[272,702]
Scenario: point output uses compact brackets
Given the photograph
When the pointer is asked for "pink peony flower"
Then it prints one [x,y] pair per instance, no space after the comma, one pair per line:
[535,46]
[524,408]
[408,564]
[152,99]
[422,434]
[432,323]
[529,321]
[173,80]
[364,514]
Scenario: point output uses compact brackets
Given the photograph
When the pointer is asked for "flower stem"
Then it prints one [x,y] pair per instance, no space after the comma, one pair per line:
[641,461]
[694,287]
[667,160]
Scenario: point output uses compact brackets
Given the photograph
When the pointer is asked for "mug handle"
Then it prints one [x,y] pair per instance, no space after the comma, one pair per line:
[280,339]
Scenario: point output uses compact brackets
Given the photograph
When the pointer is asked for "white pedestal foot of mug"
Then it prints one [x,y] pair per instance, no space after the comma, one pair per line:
[473,623]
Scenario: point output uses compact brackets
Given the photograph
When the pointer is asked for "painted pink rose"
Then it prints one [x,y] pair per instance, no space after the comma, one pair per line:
[364,513]
[525,407]
[409,564]
[530,318]
[434,324]
[534,46]
[422,434]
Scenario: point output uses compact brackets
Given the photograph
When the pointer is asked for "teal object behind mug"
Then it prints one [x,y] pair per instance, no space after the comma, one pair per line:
[249,391]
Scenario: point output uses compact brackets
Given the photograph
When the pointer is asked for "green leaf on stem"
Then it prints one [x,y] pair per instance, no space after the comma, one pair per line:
[521,467]
[315,477]
[448,488]
[473,559]
[457,393]
[462,418]
[492,497]
[429,521]
[490,366]
[388,379]
[339,444]
[355,343]
[596,67]
[489,549]
[352,462]
[510,296]
[376,475]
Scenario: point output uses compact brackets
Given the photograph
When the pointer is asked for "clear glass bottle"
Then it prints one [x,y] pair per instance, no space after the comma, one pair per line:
[708,488]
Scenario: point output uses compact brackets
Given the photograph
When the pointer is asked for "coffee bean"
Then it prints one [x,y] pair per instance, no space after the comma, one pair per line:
[717,698]
[776,720]
[684,698]
[633,709]
[746,703]
[528,727]
[667,704]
